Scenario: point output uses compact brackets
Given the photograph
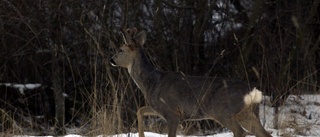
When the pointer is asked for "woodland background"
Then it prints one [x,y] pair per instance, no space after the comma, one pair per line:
[65,46]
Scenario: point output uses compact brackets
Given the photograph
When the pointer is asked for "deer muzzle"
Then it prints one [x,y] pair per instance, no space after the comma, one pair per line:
[112,62]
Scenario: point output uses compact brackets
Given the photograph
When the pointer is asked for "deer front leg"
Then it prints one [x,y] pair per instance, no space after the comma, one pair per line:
[146,110]
[172,126]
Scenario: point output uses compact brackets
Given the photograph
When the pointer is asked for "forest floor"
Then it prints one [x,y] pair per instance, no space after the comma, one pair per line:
[298,117]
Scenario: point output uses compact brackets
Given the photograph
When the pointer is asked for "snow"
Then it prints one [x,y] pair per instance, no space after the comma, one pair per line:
[298,117]
[151,134]
[65,95]
[22,87]
[147,134]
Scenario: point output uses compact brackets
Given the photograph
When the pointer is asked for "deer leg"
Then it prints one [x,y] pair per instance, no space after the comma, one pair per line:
[234,126]
[172,126]
[146,110]
[252,124]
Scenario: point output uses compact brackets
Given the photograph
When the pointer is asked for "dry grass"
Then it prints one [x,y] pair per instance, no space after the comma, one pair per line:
[8,124]
[299,116]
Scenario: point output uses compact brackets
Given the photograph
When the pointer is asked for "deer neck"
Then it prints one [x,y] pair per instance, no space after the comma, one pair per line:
[143,73]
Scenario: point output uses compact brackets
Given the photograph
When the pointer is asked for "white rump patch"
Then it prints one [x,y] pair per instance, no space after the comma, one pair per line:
[255,96]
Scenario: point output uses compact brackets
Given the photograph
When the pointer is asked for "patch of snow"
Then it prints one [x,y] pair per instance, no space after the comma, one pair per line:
[32,86]
[22,87]
[299,116]
[65,95]
[40,116]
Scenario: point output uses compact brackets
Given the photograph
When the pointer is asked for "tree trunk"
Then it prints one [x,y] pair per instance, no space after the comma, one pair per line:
[57,91]
[56,69]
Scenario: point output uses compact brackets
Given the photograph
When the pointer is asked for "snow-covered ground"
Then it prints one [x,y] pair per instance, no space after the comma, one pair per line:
[298,117]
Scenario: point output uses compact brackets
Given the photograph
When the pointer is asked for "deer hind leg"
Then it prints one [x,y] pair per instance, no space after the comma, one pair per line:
[233,125]
[146,110]
[250,122]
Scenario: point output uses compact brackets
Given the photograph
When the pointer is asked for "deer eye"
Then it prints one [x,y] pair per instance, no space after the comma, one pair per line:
[120,51]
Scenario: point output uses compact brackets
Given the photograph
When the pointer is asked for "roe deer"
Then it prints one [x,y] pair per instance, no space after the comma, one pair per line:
[177,97]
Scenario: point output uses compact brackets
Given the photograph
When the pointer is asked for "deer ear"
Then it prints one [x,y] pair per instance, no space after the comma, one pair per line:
[112,45]
[141,38]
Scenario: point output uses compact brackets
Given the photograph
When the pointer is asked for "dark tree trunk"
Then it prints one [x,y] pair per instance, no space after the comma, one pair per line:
[58,94]
[56,69]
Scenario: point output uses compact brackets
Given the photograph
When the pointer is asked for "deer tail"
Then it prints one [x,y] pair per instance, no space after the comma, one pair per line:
[255,96]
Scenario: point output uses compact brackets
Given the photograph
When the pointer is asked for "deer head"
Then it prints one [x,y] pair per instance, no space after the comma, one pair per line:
[128,51]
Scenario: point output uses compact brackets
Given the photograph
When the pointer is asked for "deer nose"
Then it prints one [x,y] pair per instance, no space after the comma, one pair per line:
[112,62]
